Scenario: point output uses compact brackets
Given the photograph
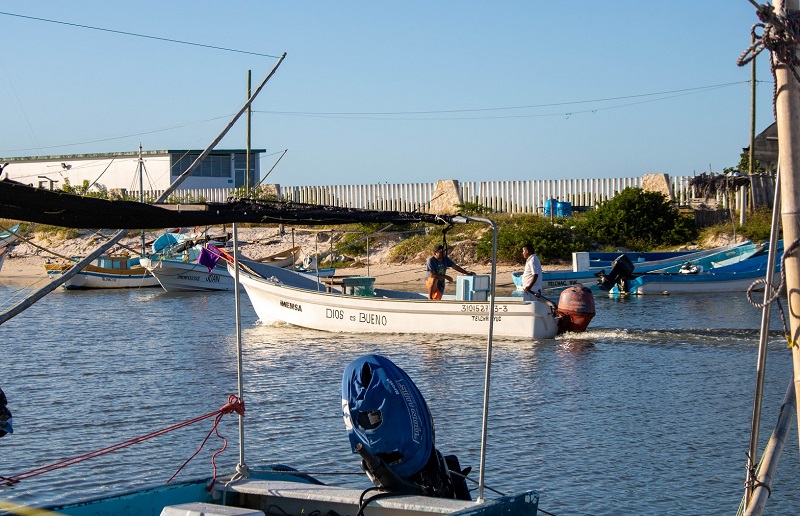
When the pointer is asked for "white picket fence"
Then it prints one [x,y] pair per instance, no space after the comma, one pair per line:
[500,196]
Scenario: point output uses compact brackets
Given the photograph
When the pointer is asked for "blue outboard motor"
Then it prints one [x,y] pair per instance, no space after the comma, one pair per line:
[391,428]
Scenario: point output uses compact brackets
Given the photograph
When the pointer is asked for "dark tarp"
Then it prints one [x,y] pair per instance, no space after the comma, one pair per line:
[22,202]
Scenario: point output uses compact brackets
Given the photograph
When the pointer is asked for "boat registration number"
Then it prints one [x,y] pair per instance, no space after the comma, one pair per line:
[483,308]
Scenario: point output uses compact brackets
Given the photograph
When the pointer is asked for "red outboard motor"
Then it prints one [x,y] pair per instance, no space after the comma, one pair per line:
[575,308]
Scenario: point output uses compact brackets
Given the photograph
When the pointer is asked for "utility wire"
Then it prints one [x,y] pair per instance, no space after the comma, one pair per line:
[672,93]
[138,35]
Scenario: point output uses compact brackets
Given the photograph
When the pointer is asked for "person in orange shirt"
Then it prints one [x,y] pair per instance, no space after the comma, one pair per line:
[437,272]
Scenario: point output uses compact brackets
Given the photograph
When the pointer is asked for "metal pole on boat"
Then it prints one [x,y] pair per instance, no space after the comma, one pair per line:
[772,455]
[787,111]
[487,380]
[762,342]
[249,118]
[241,467]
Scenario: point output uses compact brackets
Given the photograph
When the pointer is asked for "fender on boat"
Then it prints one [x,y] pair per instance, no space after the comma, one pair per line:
[575,309]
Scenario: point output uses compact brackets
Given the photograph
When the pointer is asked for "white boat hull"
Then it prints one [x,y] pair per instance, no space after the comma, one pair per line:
[412,314]
[87,280]
[177,276]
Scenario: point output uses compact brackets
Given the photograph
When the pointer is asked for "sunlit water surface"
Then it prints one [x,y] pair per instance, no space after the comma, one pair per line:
[647,413]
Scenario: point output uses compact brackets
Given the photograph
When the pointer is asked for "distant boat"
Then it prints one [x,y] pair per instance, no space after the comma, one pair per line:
[189,272]
[283,258]
[736,277]
[9,237]
[556,280]
[106,272]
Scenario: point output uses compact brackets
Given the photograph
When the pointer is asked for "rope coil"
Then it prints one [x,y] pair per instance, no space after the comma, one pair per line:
[780,35]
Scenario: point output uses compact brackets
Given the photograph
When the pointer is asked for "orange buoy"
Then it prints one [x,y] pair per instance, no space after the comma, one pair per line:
[576,309]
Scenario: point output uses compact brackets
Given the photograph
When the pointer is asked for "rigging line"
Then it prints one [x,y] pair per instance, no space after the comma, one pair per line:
[698,89]
[58,22]
[493,117]
[101,173]
[123,136]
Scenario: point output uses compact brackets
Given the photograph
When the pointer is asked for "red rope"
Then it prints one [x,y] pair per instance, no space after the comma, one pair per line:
[234,405]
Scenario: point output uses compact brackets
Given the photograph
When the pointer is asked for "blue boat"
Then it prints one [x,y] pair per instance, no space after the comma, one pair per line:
[591,277]
[735,277]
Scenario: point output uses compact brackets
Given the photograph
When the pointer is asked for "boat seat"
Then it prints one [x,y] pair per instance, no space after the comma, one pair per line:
[298,498]
[207,509]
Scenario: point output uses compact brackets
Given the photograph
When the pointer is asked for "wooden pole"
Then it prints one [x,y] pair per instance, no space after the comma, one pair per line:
[787,108]
[249,117]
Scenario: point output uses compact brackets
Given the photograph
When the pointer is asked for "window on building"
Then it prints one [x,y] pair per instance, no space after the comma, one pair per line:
[240,168]
[215,165]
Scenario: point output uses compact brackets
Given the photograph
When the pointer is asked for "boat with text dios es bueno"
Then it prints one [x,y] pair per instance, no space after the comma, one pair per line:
[356,305]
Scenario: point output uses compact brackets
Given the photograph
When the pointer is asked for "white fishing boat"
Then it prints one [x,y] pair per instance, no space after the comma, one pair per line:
[107,271]
[355,305]
[196,270]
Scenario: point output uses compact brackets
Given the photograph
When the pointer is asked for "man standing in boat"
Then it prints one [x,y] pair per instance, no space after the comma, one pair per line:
[532,275]
[437,272]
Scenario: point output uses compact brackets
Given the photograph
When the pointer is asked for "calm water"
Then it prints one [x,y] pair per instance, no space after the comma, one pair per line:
[647,413]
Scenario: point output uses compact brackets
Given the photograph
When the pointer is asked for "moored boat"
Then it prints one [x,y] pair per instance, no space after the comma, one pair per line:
[736,277]
[106,272]
[708,258]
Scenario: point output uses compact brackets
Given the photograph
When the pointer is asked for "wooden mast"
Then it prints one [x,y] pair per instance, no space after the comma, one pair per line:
[787,114]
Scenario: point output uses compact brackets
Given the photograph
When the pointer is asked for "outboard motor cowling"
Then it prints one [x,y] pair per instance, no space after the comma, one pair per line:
[575,309]
[391,428]
[621,273]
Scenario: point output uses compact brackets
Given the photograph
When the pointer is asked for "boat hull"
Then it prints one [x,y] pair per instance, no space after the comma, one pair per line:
[179,276]
[411,313]
[287,493]
[91,277]
[704,283]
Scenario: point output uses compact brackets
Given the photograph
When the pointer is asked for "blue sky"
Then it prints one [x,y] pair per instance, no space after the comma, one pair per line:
[374,92]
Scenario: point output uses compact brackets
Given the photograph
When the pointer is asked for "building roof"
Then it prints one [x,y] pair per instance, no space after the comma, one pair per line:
[109,155]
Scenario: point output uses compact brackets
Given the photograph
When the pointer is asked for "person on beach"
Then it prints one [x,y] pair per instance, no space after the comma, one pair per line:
[532,275]
[437,272]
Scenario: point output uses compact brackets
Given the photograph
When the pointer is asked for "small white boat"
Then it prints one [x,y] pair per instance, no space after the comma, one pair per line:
[106,272]
[187,272]
[284,258]
[354,305]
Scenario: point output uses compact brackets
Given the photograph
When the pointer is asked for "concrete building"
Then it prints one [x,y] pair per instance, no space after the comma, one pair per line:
[220,169]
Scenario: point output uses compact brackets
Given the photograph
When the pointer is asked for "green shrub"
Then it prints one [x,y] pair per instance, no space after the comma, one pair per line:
[551,242]
[639,220]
